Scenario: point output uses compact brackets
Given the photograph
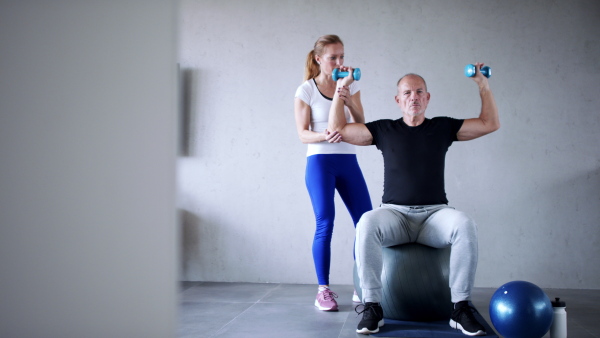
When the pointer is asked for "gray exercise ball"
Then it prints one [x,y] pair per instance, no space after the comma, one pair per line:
[415,281]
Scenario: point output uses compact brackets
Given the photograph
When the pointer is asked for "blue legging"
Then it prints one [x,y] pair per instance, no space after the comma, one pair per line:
[326,173]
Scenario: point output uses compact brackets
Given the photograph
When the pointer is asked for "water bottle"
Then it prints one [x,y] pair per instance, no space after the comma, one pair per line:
[559,324]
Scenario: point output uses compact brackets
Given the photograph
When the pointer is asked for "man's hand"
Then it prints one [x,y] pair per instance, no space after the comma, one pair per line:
[479,78]
[347,80]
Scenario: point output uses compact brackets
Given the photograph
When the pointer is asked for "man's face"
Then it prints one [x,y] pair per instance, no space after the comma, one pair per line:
[412,96]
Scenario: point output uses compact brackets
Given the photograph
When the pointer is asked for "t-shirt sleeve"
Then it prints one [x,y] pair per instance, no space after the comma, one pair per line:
[303,92]
[455,125]
[375,130]
[354,87]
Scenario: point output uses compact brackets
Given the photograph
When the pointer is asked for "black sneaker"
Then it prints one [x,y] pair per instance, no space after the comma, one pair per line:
[372,318]
[463,319]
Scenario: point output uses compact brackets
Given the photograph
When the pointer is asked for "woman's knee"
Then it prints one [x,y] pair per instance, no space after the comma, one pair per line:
[324,228]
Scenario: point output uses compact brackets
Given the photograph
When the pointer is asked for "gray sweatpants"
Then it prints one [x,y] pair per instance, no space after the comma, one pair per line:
[437,226]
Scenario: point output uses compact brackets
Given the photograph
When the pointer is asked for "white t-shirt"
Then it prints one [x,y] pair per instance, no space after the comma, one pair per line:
[319,116]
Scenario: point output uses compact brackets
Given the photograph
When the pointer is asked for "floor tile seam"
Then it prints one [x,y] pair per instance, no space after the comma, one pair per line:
[348,321]
[590,332]
[208,302]
[235,318]
[246,310]
[584,328]
[282,302]
[268,293]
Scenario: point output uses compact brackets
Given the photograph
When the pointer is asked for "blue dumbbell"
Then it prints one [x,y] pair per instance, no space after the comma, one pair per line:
[470,71]
[337,74]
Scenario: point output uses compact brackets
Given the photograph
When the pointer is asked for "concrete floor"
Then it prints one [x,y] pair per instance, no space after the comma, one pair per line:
[246,310]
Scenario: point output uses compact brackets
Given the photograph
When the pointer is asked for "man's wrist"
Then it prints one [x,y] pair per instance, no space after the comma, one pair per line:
[484,88]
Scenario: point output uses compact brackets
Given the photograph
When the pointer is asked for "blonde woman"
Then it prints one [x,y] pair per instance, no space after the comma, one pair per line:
[331,163]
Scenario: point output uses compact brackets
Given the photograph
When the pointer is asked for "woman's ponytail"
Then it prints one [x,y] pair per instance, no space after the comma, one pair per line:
[312,68]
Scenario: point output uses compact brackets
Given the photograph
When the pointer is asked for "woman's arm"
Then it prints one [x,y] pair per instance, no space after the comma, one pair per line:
[302,112]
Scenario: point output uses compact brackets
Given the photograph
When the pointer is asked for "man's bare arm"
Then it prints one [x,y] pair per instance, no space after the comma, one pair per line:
[488,120]
[353,133]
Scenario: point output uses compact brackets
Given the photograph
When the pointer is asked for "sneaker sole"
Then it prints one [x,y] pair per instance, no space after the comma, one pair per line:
[355,299]
[457,326]
[364,330]
[334,308]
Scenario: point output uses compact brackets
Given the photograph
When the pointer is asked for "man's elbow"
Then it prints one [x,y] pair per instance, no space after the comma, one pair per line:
[495,126]
[332,127]
[491,125]
[488,130]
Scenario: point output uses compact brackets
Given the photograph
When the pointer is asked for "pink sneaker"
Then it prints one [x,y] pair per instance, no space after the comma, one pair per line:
[326,300]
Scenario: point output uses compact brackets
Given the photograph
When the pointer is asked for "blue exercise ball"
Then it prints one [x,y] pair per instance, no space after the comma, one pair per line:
[415,280]
[521,309]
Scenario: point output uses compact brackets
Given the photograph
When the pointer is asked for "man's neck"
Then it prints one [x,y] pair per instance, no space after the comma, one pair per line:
[413,121]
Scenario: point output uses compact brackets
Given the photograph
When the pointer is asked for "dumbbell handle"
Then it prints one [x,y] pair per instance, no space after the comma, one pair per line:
[470,71]
[337,74]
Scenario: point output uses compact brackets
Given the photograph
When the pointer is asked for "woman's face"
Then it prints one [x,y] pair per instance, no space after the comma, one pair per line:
[332,57]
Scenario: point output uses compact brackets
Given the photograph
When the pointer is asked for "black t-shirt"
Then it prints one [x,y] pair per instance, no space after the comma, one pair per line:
[414,158]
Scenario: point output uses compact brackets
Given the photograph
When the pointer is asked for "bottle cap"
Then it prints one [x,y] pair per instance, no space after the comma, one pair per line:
[558,303]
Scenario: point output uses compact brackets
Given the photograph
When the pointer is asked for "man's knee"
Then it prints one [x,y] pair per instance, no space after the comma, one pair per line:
[464,224]
[370,220]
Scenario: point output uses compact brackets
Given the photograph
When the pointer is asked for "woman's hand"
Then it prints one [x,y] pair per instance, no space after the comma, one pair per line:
[344,93]
[332,137]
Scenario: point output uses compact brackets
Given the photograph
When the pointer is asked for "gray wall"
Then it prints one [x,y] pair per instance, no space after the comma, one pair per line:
[533,187]
[87,169]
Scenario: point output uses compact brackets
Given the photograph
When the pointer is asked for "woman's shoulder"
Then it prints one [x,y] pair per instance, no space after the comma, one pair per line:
[305,90]
[307,84]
